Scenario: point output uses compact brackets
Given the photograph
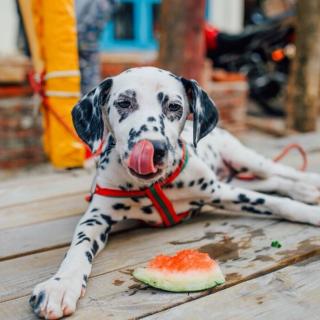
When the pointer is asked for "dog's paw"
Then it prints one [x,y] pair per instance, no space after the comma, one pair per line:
[56,297]
[313,216]
[313,178]
[304,192]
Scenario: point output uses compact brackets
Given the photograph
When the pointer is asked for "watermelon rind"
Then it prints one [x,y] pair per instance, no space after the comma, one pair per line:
[180,281]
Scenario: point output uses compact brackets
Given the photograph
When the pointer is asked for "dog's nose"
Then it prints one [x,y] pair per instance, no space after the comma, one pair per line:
[160,151]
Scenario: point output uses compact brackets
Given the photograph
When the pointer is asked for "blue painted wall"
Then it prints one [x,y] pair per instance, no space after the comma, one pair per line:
[143,38]
[142,29]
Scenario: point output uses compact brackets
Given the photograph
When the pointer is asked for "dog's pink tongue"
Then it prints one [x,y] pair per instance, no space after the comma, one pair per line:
[141,158]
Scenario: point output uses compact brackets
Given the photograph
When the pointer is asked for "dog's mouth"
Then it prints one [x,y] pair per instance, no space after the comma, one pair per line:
[148,176]
[141,160]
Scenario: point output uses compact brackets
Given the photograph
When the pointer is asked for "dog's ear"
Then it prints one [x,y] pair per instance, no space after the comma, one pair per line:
[87,115]
[205,113]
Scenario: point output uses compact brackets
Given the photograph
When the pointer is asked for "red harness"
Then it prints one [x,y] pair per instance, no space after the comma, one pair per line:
[155,193]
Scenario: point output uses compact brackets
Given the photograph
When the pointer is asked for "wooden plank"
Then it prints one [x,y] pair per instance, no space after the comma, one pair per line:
[133,245]
[32,178]
[242,248]
[42,210]
[38,237]
[29,190]
[291,293]
[44,236]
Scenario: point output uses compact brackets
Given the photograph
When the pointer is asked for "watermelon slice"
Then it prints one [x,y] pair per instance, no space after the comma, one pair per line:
[188,270]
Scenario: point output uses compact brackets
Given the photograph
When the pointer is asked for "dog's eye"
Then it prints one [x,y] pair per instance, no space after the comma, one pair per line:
[174,107]
[124,104]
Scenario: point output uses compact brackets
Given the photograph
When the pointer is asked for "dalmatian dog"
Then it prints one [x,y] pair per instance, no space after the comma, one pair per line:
[140,118]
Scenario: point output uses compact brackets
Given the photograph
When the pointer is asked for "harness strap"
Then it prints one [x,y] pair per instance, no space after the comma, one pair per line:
[155,193]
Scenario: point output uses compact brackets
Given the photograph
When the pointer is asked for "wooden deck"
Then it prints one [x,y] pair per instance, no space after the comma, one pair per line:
[37,219]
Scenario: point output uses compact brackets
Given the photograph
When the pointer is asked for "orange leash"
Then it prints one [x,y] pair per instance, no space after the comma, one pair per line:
[280,156]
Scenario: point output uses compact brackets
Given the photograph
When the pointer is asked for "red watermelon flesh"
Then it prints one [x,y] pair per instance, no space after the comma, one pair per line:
[188,270]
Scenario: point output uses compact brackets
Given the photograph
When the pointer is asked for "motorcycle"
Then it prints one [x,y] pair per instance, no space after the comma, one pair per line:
[263,53]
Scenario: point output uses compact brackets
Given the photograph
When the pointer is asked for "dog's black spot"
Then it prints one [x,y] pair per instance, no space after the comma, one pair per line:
[35,301]
[191,183]
[128,97]
[81,234]
[199,203]
[129,185]
[259,201]
[94,210]
[251,209]
[133,135]
[82,240]
[120,206]
[160,97]
[200,181]
[135,199]
[103,237]
[204,186]
[213,190]
[211,182]
[267,212]
[91,222]
[180,184]
[143,128]
[41,297]
[147,209]
[243,198]
[151,119]
[104,157]
[161,120]
[32,300]
[174,76]
[89,256]
[57,278]
[216,201]
[155,129]
[95,247]
[107,219]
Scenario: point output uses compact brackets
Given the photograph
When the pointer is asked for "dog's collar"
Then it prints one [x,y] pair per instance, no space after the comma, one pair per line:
[155,193]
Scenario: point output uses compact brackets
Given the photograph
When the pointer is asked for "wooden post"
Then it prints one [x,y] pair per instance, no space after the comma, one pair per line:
[27,17]
[304,83]
[181,38]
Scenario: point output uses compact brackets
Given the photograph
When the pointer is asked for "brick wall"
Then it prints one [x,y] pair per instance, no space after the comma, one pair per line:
[20,134]
[231,99]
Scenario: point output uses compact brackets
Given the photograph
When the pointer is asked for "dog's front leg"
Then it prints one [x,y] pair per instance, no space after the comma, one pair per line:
[58,296]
